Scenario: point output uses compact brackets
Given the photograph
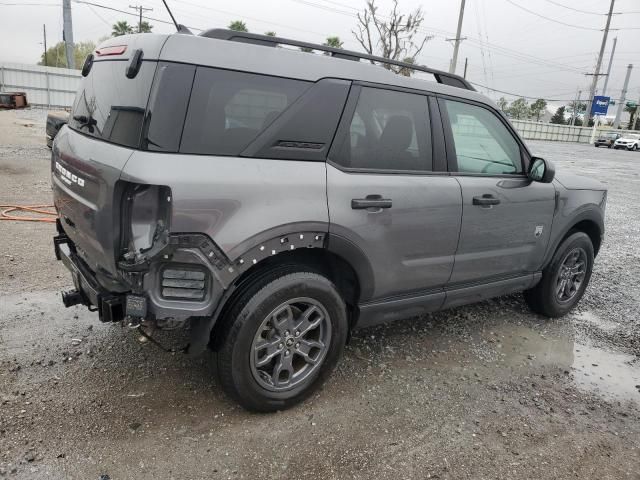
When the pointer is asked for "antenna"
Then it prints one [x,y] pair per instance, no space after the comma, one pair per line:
[180,28]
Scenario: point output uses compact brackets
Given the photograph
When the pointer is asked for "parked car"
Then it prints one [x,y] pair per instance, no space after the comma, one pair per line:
[272,201]
[55,121]
[607,139]
[630,141]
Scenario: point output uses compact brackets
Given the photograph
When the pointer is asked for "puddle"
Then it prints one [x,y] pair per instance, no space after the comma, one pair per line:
[613,375]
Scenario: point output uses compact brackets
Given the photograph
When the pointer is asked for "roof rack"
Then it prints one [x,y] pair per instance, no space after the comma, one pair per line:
[444,78]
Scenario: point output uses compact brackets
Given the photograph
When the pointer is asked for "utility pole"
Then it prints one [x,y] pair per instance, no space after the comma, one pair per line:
[466,61]
[576,104]
[67,33]
[596,74]
[140,9]
[457,40]
[44,32]
[606,79]
[623,97]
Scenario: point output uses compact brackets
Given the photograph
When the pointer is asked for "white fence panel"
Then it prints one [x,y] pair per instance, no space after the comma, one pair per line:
[44,86]
[560,133]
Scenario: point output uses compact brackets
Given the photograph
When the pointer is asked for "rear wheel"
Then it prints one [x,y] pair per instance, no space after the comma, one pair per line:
[565,279]
[286,333]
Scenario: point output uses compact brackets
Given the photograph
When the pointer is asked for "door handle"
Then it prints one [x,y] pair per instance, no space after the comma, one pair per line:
[371,201]
[486,199]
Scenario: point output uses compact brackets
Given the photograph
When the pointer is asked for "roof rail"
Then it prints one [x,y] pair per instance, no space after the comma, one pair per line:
[444,78]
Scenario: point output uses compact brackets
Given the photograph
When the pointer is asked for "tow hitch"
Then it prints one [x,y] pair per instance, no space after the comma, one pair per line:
[71,298]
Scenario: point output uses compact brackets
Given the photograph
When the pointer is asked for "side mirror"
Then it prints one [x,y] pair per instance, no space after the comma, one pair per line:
[541,170]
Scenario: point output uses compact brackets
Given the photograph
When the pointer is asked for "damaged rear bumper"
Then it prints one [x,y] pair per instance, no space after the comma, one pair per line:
[168,286]
[110,306]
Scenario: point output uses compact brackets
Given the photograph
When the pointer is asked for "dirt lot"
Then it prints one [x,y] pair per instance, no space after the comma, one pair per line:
[486,391]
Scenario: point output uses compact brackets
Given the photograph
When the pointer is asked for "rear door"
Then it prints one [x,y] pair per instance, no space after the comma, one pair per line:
[384,195]
[506,218]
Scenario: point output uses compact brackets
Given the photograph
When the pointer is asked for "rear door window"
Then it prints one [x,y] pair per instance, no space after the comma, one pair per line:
[110,106]
[388,131]
[229,109]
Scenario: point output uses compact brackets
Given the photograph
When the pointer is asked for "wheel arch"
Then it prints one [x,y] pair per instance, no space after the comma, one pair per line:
[589,222]
[307,245]
[318,260]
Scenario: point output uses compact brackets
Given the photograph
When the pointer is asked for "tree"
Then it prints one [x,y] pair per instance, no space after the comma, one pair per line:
[632,114]
[238,26]
[537,108]
[395,36]
[333,42]
[145,27]
[121,28]
[518,109]
[578,107]
[558,117]
[56,56]
[270,34]
[503,104]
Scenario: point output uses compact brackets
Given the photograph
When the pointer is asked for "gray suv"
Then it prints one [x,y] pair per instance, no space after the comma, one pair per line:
[272,200]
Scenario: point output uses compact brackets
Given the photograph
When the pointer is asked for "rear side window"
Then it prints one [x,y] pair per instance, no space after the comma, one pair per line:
[229,109]
[111,106]
[168,106]
[483,143]
[388,131]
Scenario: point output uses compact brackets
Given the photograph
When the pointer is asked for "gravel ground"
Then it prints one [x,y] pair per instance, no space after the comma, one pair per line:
[483,392]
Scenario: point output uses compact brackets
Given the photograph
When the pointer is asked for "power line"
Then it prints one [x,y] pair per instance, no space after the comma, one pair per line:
[6,4]
[529,97]
[551,19]
[477,43]
[574,9]
[83,2]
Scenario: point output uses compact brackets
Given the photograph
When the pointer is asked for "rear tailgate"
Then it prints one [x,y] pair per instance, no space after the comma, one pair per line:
[86,191]
[89,153]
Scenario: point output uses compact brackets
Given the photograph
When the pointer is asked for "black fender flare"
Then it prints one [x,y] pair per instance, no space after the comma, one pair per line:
[201,327]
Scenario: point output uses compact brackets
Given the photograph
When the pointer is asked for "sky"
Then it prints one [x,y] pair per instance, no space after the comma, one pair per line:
[509,46]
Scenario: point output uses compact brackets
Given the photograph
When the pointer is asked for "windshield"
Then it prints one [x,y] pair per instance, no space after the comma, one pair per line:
[632,137]
[111,106]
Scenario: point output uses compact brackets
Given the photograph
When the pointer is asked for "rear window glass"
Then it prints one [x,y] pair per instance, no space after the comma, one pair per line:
[111,106]
[228,109]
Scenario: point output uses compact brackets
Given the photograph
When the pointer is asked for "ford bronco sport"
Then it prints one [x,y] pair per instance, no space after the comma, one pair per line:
[271,200]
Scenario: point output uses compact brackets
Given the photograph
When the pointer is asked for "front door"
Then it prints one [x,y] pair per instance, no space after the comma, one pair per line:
[506,218]
[385,197]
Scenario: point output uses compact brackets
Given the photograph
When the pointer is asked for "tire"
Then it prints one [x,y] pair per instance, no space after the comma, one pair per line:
[635,147]
[544,297]
[264,388]
[596,145]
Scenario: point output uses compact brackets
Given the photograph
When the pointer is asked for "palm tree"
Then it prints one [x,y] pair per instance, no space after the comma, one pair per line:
[121,28]
[333,42]
[145,27]
[238,26]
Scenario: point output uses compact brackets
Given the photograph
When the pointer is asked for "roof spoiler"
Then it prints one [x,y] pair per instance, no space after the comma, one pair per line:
[444,78]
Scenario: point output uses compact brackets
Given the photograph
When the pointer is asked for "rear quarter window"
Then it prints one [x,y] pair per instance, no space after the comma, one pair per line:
[228,110]
[110,106]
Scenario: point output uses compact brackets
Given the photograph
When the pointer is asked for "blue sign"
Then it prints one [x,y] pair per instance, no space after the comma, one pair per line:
[599,105]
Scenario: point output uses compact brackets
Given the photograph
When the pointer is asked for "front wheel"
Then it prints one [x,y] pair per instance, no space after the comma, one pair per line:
[635,147]
[565,279]
[286,333]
